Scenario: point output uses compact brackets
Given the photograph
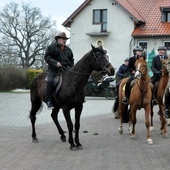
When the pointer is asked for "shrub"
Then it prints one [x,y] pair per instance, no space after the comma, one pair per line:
[31,74]
[12,78]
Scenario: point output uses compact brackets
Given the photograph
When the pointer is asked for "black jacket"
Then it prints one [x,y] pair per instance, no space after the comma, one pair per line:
[122,71]
[55,54]
[131,65]
[156,64]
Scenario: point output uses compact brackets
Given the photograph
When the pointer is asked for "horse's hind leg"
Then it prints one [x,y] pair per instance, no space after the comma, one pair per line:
[54,116]
[35,106]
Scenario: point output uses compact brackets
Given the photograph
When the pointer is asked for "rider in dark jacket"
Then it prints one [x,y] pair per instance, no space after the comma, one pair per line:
[157,69]
[137,51]
[58,56]
[122,71]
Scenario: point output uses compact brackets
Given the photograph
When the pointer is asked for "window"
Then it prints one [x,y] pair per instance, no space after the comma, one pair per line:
[165,14]
[143,44]
[167,45]
[168,16]
[100,17]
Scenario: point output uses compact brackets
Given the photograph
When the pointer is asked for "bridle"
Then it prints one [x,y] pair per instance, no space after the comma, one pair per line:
[104,69]
[140,73]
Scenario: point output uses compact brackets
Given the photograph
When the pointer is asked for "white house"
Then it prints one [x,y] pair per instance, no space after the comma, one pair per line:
[119,25]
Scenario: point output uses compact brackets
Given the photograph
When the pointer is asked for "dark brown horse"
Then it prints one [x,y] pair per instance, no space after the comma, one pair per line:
[162,84]
[140,97]
[70,95]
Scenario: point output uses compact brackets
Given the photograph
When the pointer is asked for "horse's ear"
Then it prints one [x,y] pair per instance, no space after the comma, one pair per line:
[144,56]
[93,48]
[137,57]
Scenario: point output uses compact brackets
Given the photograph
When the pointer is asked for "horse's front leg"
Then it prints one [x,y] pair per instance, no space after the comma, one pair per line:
[54,116]
[163,120]
[133,119]
[78,111]
[70,128]
[151,113]
[147,124]
[121,110]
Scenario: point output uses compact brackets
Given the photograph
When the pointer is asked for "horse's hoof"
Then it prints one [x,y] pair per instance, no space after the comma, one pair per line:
[151,128]
[150,141]
[35,140]
[73,148]
[63,138]
[95,133]
[168,122]
[120,130]
[165,135]
[133,137]
[80,147]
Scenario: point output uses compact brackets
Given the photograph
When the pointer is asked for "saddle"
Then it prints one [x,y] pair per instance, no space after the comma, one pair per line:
[131,84]
[56,82]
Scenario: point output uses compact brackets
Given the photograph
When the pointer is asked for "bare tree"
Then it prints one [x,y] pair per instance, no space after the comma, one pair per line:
[24,34]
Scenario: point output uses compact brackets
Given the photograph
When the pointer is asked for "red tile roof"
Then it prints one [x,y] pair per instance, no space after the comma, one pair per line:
[149,10]
[146,12]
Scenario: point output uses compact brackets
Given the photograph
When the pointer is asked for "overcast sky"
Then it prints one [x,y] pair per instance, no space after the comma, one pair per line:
[59,10]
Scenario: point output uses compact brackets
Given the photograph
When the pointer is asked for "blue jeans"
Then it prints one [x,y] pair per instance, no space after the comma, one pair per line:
[49,88]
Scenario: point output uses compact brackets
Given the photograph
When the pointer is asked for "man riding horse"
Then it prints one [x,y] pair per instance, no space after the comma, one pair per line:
[58,56]
[156,69]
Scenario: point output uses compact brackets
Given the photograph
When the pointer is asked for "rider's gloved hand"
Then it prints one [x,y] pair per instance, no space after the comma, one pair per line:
[58,65]
[158,72]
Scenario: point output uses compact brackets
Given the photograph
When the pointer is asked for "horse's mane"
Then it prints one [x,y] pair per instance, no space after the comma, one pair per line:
[88,54]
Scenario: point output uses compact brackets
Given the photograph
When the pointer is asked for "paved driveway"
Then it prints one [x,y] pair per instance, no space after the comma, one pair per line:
[106,151]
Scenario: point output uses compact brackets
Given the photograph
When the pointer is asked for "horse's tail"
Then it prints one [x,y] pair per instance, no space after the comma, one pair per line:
[36,101]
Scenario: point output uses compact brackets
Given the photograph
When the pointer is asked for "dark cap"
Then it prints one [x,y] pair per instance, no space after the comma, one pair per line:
[61,35]
[127,59]
[161,47]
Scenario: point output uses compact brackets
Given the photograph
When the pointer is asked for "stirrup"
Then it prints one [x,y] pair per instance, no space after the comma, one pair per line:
[154,102]
[166,114]
[49,105]
[125,100]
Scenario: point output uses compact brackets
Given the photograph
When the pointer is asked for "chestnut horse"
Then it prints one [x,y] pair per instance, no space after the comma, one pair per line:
[140,97]
[70,95]
[162,84]
[167,91]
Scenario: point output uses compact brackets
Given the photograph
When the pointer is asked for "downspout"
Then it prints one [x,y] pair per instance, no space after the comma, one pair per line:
[130,46]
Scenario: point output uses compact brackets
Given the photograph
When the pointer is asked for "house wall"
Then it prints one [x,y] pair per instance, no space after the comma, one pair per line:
[119,26]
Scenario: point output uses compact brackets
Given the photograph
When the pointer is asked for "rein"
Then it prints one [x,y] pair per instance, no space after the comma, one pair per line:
[143,93]
[76,71]
[165,74]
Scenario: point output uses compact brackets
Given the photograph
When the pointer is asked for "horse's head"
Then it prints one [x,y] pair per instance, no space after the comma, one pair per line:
[141,67]
[100,62]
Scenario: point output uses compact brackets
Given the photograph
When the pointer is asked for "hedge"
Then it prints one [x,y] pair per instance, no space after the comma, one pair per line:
[31,74]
